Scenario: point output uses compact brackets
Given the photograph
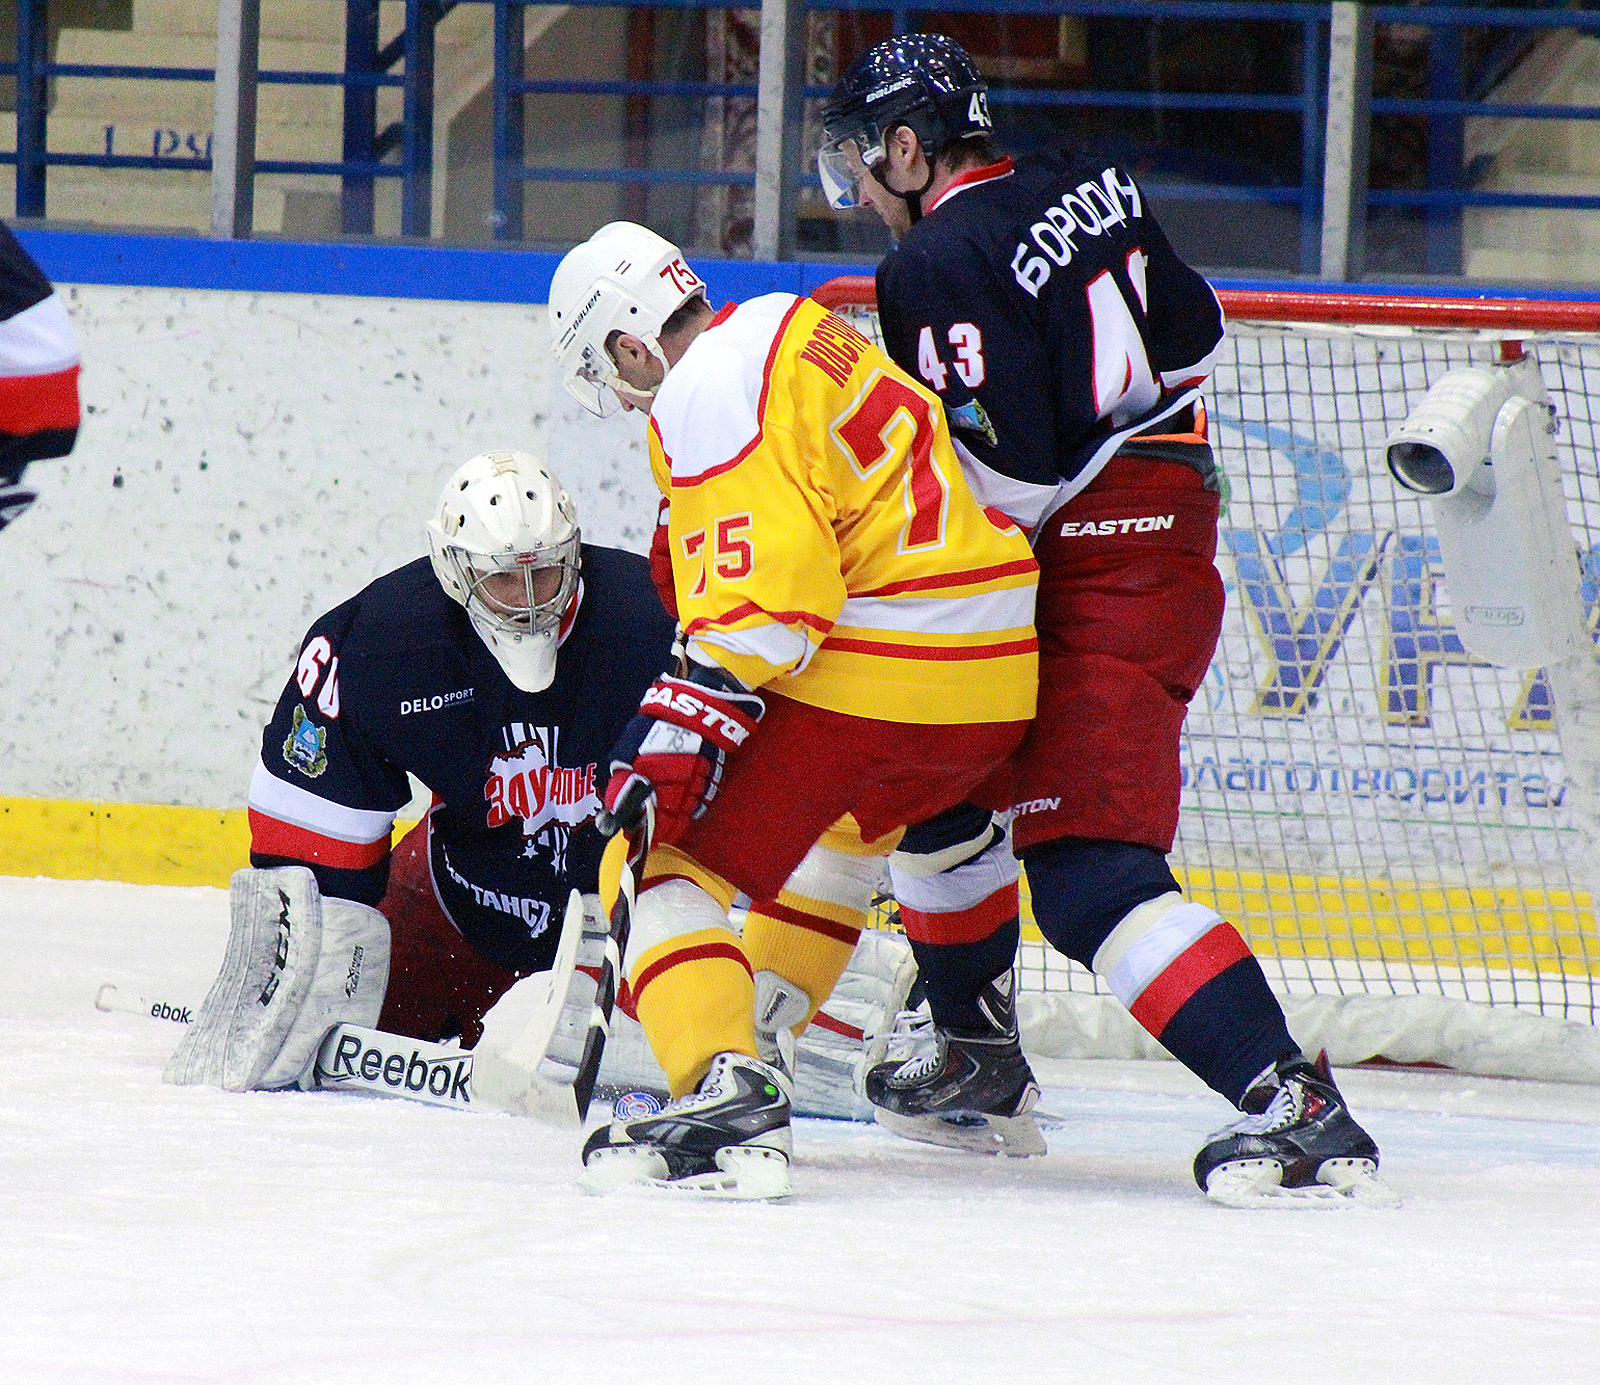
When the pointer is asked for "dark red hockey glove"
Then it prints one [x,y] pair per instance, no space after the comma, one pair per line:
[678,743]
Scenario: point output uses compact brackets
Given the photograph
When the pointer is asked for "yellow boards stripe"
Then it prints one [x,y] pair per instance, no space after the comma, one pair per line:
[1280,914]
[1396,922]
[144,843]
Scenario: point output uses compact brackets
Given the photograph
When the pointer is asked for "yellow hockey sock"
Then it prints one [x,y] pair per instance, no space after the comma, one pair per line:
[695,999]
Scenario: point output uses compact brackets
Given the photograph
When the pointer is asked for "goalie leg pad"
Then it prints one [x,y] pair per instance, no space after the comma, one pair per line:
[850,1034]
[533,1037]
[295,966]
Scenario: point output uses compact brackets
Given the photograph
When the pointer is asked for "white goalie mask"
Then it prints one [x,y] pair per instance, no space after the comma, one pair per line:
[505,545]
[624,278]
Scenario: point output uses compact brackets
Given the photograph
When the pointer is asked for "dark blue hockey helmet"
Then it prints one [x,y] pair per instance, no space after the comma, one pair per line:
[926,82]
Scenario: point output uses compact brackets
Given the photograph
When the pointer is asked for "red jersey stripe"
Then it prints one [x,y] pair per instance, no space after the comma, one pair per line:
[271,837]
[954,579]
[935,652]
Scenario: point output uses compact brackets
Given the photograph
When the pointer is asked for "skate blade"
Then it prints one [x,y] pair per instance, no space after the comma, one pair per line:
[1340,1183]
[627,1166]
[1016,1137]
[744,1173]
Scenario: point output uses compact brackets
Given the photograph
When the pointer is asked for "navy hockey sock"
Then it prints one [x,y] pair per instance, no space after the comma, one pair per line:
[1203,995]
[953,975]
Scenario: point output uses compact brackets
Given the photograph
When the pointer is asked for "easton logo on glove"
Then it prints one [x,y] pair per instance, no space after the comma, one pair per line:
[678,744]
[683,705]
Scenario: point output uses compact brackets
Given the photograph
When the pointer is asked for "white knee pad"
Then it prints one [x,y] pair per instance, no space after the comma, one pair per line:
[671,910]
[962,883]
[1149,939]
[836,877]
[295,966]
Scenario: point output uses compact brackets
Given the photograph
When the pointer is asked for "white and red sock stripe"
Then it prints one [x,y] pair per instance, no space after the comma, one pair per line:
[1162,953]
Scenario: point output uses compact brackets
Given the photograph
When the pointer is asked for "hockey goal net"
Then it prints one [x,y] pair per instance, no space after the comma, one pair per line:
[1380,815]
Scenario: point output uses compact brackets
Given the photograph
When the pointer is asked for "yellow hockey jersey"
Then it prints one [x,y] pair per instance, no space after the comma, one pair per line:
[823,537]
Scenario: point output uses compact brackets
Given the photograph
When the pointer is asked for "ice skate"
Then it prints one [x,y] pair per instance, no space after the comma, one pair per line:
[1297,1145]
[968,1089]
[729,1138]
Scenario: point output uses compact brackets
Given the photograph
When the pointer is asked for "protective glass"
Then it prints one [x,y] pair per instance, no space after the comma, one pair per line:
[843,161]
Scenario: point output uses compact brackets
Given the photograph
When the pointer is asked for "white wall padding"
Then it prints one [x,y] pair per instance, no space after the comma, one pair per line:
[248,460]
[1491,1041]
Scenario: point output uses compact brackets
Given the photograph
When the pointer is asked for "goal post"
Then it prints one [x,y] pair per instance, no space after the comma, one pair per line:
[1382,814]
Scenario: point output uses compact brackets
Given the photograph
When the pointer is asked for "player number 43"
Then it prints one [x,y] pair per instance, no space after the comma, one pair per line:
[968,342]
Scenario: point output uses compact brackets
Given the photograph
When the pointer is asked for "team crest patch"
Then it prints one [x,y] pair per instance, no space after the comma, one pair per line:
[972,418]
[632,1105]
[306,748]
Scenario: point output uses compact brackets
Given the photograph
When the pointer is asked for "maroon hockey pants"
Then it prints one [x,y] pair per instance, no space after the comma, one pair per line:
[1130,609]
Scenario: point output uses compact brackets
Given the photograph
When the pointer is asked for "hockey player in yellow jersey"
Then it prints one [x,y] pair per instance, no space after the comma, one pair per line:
[858,641]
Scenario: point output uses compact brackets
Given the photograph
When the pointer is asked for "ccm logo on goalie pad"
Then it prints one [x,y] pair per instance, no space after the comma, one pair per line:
[282,959]
[688,710]
[1073,529]
[445,1078]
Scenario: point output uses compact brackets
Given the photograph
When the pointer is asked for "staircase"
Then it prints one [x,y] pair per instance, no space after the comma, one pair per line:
[170,119]
[1539,244]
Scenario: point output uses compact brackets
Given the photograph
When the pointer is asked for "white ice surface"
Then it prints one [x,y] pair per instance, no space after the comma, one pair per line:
[157,1234]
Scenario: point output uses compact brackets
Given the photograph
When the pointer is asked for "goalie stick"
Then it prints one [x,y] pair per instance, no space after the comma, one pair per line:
[635,798]
[111,997]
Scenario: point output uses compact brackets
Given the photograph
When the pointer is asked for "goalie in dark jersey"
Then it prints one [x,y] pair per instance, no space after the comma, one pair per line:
[499,672]
[1040,299]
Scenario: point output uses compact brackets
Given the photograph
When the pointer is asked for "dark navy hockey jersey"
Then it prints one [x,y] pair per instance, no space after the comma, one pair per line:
[396,680]
[1044,304]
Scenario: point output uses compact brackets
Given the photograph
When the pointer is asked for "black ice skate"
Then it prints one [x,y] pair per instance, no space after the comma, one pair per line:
[728,1138]
[1296,1143]
[971,1089]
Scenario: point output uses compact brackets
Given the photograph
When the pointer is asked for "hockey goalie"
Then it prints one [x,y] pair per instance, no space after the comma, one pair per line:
[498,671]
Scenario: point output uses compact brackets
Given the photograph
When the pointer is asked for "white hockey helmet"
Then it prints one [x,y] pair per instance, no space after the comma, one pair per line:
[624,278]
[505,545]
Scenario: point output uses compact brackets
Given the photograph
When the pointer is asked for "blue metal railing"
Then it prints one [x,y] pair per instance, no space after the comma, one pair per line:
[404,149]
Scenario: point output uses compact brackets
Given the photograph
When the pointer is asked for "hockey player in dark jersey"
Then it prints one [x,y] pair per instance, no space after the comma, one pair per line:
[1041,300]
[498,672]
[39,410]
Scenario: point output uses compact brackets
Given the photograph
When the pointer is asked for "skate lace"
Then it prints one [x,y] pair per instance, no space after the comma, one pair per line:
[912,1043]
[1282,1111]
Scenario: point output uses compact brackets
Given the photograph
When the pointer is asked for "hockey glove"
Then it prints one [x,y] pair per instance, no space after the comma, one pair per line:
[678,744]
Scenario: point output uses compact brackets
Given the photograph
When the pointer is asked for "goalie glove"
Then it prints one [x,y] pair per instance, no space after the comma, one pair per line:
[678,745]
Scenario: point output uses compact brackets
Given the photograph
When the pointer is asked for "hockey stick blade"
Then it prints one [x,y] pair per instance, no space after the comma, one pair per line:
[636,804]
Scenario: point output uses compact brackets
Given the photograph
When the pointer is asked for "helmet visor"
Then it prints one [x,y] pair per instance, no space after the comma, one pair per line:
[843,161]
[592,385]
